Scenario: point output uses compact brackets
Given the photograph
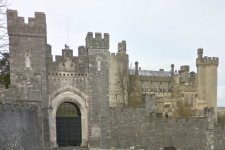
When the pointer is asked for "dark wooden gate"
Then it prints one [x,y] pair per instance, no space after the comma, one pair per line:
[68,125]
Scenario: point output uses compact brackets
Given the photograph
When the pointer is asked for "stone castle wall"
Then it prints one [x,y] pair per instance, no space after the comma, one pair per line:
[219,138]
[136,128]
[128,127]
[68,71]
[140,129]
[20,127]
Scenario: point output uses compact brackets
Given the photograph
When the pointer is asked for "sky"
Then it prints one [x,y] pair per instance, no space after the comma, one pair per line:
[158,33]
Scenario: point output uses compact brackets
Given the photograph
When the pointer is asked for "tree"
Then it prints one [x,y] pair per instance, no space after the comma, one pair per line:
[4,54]
[135,92]
[184,110]
[3,27]
[122,83]
[4,70]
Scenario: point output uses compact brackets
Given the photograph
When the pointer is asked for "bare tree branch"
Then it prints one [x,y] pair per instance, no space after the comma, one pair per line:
[3,27]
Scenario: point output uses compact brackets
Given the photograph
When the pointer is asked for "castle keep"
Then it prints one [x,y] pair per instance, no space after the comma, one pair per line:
[95,101]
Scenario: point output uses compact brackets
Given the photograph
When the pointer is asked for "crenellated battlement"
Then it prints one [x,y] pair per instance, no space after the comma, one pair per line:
[211,60]
[97,41]
[121,59]
[208,61]
[35,27]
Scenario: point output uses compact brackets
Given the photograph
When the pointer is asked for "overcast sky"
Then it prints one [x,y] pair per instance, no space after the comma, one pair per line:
[158,32]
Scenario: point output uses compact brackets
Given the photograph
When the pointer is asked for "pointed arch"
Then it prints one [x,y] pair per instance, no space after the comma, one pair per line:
[72,96]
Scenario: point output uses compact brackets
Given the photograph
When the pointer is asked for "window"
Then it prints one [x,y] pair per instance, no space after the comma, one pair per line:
[27,60]
[98,65]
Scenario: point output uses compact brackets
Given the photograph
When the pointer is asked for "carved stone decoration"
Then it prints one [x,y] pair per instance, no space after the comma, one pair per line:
[67,64]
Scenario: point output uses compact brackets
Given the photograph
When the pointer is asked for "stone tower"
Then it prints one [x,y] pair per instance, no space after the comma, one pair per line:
[207,79]
[118,77]
[26,42]
[98,56]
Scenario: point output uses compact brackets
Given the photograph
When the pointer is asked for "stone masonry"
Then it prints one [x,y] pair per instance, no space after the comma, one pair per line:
[121,107]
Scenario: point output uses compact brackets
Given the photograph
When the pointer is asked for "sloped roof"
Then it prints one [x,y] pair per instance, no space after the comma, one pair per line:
[151,73]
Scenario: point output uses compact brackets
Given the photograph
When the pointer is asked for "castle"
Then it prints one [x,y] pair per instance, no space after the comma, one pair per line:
[94,100]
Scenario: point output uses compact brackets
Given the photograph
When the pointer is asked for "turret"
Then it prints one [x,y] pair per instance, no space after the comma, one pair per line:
[98,72]
[136,68]
[26,42]
[172,69]
[184,73]
[122,47]
[207,79]
[200,53]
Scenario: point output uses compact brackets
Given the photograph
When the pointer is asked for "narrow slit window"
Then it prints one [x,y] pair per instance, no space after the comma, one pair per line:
[27,60]
[98,65]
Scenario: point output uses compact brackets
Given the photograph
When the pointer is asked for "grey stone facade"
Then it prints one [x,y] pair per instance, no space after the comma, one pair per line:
[99,83]
[20,127]
[136,128]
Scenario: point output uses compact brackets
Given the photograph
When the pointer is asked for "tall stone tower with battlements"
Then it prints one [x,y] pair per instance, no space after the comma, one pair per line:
[98,56]
[28,67]
[207,79]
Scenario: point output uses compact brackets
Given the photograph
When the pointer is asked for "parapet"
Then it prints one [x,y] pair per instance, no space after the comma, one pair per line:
[35,27]
[82,51]
[206,60]
[67,52]
[210,60]
[97,42]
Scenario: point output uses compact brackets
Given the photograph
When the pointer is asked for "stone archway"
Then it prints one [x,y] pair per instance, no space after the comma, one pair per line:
[71,97]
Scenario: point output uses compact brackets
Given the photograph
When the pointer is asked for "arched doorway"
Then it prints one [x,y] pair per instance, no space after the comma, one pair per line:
[68,125]
[68,96]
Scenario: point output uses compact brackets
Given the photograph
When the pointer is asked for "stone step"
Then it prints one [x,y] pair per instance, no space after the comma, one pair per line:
[71,148]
